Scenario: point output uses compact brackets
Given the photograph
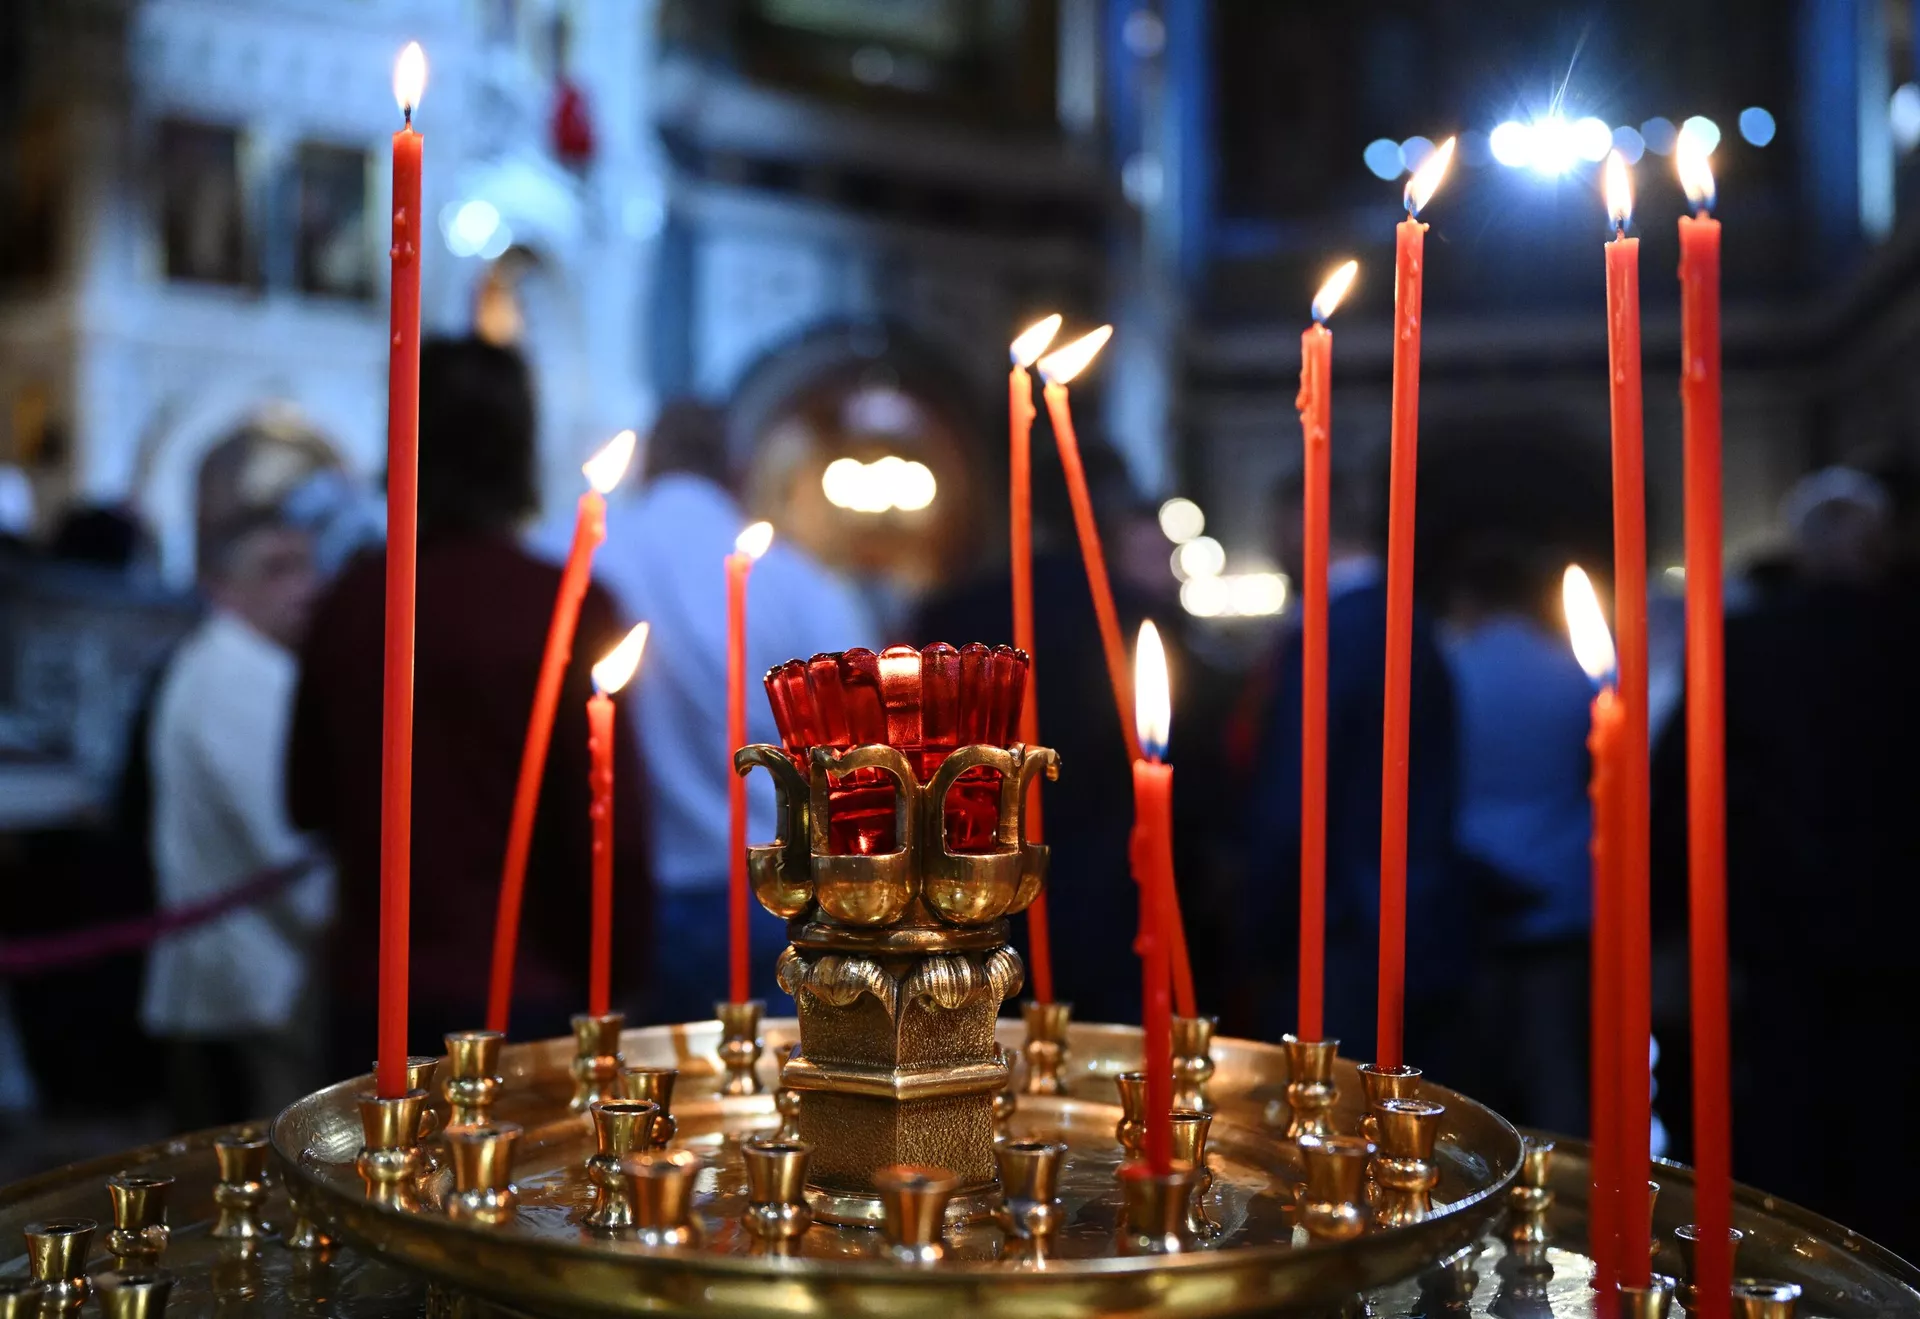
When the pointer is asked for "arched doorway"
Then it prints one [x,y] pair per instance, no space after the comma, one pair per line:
[864,450]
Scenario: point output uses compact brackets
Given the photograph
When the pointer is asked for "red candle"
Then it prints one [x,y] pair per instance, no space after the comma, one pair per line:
[1057,368]
[1706,735]
[403,470]
[747,547]
[1408,284]
[1025,349]
[1152,848]
[1605,745]
[609,676]
[1315,404]
[1630,609]
[603,471]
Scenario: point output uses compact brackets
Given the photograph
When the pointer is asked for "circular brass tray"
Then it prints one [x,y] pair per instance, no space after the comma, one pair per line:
[546,1261]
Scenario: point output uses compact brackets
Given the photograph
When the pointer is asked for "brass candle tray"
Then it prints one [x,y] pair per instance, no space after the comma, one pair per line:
[544,1258]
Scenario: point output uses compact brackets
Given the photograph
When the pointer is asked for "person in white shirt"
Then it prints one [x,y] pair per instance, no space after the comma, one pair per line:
[231,999]
[664,561]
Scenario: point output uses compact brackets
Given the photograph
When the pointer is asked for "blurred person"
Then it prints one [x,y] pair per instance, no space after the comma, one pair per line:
[1821,720]
[1440,947]
[483,609]
[234,999]
[664,561]
[343,513]
[1084,813]
[1524,823]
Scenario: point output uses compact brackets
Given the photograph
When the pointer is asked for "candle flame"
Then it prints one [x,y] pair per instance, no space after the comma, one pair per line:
[1033,341]
[1328,298]
[754,540]
[410,77]
[1063,364]
[606,467]
[1426,180]
[1586,625]
[1619,190]
[1152,695]
[1696,170]
[617,666]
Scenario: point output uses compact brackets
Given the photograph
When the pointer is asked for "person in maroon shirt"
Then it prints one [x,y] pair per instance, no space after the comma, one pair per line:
[483,611]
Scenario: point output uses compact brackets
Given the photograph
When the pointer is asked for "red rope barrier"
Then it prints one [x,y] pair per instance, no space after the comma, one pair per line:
[71,948]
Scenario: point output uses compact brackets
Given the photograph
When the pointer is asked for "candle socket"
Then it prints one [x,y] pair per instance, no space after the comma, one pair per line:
[1404,1171]
[1449,1288]
[304,1234]
[777,1189]
[740,1045]
[660,1188]
[391,1156]
[913,1211]
[653,1085]
[1029,1188]
[596,1058]
[1380,1083]
[135,1294]
[1687,1238]
[473,1081]
[1193,1062]
[423,1075]
[621,1128]
[1006,1101]
[139,1229]
[57,1260]
[20,1298]
[1132,1127]
[482,1158]
[786,1100]
[1311,1093]
[1649,1302]
[242,1187]
[1530,1196]
[1333,1206]
[1189,1147]
[1046,1047]
[1763,1298]
[1154,1210]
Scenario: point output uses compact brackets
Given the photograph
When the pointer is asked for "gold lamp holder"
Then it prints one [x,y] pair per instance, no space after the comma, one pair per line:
[1046,1046]
[391,1155]
[1311,1093]
[1193,1062]
[898,962]
[242,1187]
[596,1058]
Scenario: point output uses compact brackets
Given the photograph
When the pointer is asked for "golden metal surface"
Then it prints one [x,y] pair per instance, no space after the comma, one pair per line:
[139,1215]
[741,1045]
[1156,1210]
[1404,1172]
[472,1076]
[1761,1298]
[57,1256]
[653,1085]
[913,1203]
[1193,1062]
[660,1186]
[1029,1187]
[133,1295]
[621,1127]
[1333,1205]
[482,1161]
[1046,1048]
[776,1189]
[596,1058]
[1311,1093]
[242,1159]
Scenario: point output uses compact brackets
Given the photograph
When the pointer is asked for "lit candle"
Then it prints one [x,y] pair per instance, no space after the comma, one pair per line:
[1025,350]
[748,546]
[1153,871]
[1408,282]
[403,477]
[1593,647]
[603,472]
[1056,369]
[1706,734]
[609,676]
[1316,426]
[1630,610]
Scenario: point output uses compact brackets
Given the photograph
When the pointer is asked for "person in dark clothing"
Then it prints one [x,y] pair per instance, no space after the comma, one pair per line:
[1439,948]
[1087,810]
[1821,719]
[483,610]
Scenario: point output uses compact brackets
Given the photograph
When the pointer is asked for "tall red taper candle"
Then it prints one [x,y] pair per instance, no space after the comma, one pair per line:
[1020,414]
[1607,747]
[1315,404]
[1706,737]
[1057,368]
[1152,847]
[747,547]
[1630,612]
[1409,279]
[603,472]
[609,676]
[403,472]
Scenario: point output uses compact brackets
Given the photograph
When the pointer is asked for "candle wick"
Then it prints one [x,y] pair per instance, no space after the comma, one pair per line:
[406,112]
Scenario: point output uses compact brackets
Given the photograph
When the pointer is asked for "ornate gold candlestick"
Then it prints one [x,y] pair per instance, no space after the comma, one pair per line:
[776,1190]
[473,1078]
[1311,1093]
[1383,1083]
[391,1156]
[139,1229]
[596,1058]
[242,1187]
[898,964]
[482,1158]
[138,1294]
[1193,1062]
[786,1100]
[57,1258]
[1132,1125]
[660,1188]
[1334,1206]
[1762,1298]
[1404,1169]
[1046,1048]
[1154,1212]
[741,1045]
[914,1198]
[621,1127]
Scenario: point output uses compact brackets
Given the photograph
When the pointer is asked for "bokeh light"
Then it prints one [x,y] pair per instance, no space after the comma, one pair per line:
[1383,158]
[1659,135]
[1703,131]
[1181,520]
[1592,139]
[1511,144]
[1757,126]
[1203,556]
[1903,116]
[1414,152]
[1628,142]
